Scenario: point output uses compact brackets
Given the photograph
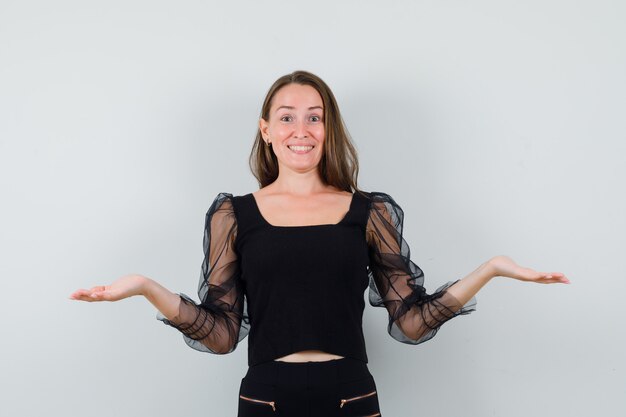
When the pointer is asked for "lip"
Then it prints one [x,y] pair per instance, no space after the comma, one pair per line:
[300,144]
[301,152]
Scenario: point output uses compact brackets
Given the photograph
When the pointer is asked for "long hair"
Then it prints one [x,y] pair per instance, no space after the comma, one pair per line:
[339,165]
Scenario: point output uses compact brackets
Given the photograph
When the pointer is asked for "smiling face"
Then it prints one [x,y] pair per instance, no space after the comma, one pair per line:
[295,127]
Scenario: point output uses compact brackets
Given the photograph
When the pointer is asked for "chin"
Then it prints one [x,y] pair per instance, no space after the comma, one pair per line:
[303,166]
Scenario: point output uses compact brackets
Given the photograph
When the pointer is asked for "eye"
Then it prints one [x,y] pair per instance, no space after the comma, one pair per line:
[315,118]
[285,117]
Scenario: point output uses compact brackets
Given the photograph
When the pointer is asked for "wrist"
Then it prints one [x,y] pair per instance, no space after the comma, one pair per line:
[145,285]
[490,269]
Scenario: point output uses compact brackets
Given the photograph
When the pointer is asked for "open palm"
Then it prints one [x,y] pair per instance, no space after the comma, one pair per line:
[124,287]
[506,267]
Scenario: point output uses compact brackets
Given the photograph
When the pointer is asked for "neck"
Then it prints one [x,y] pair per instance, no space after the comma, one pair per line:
[298,183]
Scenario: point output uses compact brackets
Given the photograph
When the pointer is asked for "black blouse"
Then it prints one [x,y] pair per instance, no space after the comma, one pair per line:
[296,288]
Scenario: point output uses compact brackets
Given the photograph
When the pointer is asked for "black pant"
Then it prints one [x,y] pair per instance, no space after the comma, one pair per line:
[334,388]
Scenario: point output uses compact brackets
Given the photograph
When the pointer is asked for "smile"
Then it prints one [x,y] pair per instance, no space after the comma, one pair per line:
[300,149]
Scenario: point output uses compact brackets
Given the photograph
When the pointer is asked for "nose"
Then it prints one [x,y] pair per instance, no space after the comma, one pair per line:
[300,129]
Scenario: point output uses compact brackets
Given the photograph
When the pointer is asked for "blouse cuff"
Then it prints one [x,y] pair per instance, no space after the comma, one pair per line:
[434,310]
[469,306]
[174,322]
[194,330]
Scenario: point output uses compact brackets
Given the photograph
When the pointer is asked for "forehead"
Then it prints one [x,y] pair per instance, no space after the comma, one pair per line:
[297,95]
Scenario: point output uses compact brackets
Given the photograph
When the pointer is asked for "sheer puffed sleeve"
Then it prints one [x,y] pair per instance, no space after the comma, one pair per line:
[396,283]
[220,321]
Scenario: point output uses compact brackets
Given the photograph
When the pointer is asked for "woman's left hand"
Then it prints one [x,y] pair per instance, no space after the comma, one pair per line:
[505,267]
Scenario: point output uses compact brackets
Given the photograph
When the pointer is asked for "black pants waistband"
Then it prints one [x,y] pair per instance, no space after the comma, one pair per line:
[310,373]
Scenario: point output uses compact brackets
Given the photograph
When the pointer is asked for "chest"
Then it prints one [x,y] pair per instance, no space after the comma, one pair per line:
[327,255]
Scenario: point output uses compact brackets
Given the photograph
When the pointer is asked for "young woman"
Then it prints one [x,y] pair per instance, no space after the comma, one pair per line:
[290,262]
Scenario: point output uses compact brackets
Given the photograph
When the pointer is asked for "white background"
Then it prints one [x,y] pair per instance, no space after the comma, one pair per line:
[498,126]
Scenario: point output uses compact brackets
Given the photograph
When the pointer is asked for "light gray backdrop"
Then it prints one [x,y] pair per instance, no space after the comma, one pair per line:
[498,126]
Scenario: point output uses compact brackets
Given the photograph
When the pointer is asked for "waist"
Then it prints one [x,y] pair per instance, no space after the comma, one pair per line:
[309,355]
[308,373]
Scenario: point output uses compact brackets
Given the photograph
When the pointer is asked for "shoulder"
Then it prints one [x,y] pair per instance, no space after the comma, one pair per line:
[382,208]
[237,208]
[378,199]
[228,199]
[223,204]
[220,199]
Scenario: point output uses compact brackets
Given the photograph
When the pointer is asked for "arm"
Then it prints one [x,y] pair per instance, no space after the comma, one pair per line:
[397,283]
[464,289]
[168,304]
[504,266]
[131,285]
[219,321]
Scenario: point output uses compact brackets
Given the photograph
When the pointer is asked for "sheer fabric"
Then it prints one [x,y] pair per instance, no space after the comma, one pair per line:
[396,283]
[312,302]
[220,321]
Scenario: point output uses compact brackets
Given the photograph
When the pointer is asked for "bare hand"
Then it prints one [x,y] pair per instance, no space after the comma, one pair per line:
[124,287]
[505,267]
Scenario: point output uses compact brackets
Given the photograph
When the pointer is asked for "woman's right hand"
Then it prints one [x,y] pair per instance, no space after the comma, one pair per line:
[124,287]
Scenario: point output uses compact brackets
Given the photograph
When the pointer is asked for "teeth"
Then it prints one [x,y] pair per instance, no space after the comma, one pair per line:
[300,148]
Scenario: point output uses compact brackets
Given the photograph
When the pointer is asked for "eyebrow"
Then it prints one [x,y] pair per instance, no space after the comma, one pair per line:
[291,108]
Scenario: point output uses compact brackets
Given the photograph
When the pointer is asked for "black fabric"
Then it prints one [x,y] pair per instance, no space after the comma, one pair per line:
[337,387]
[296,288]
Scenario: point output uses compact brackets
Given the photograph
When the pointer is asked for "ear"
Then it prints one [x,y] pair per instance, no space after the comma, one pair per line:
[264,127]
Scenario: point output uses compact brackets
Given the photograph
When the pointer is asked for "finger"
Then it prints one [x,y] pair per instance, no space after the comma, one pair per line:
[83,298]
[556,276]
[560,277]
[80,293]
[559,281]
[106,295]
[553,280]
[97,295]
[84,292]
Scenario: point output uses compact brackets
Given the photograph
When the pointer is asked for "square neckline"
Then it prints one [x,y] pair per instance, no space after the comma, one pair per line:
[303,226]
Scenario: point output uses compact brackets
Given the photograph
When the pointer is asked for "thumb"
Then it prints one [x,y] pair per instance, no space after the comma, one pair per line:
[99,293]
